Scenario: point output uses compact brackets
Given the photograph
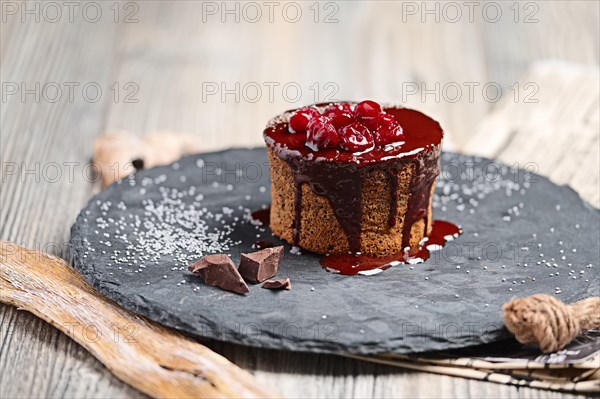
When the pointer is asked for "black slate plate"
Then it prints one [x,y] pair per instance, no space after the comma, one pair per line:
[522,235]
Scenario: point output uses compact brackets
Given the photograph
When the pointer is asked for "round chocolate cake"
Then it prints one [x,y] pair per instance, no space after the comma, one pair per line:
[352,178]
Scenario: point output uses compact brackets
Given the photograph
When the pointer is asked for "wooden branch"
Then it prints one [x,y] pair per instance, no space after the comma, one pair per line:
[143,354]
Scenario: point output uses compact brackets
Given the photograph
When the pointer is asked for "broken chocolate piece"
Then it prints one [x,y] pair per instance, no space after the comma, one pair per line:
[259,266]
[219,271]
[278,284]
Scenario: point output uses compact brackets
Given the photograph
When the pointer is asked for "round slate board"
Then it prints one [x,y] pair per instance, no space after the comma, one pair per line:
[522,235]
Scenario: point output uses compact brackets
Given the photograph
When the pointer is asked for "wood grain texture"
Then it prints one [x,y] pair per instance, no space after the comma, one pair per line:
[169,53]
[556,134]
[143,354]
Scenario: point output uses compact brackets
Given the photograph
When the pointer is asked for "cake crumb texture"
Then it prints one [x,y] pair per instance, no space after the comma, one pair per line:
[320,230]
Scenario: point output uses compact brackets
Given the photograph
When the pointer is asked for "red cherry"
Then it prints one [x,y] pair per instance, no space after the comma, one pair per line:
[340,115]
[344,107]
[389,131]
[321,134]
[356,137]
[299,119]
[368,113]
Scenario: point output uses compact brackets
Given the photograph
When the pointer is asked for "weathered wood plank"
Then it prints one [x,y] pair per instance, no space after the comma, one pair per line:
[169,53]
[557,135]
[38,207]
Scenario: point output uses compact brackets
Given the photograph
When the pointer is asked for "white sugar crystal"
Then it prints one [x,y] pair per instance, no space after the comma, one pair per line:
[175,228]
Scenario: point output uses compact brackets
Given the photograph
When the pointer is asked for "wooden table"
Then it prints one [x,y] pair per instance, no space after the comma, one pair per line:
[72,72]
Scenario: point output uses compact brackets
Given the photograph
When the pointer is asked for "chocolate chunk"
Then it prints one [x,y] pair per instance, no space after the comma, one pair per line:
[259,266]
[278,284]
[219,271]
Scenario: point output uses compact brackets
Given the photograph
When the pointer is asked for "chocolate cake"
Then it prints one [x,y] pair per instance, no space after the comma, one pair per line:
[352,178]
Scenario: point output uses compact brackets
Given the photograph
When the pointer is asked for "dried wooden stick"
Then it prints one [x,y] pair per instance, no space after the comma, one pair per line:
[116,152]
[143,354]
[548,322]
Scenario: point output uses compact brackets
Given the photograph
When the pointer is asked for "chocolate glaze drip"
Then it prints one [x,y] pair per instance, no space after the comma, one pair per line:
[341,187]
[297,207]
[427,168]
[339,175]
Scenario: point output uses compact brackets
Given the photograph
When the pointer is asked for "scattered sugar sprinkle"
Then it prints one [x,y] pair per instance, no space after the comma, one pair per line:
[479,187]
[176,226]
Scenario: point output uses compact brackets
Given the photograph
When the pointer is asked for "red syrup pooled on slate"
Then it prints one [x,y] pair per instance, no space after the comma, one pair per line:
[263,216]
[262,244]
[441,233]
[350,265]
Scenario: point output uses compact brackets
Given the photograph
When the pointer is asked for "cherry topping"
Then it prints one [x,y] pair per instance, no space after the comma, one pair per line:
[356,137]
[321,134]
[368,113]
[299,120]
[389,131]
[340,115]
[345,127]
